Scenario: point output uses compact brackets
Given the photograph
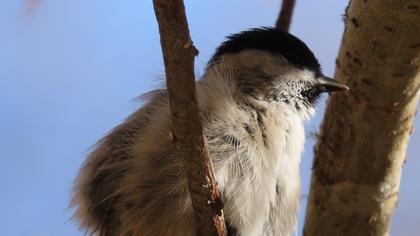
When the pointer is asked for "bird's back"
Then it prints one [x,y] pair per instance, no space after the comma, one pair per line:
[133,182]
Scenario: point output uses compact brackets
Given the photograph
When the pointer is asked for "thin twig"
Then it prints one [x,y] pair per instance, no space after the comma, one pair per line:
[178,54]
[285,16]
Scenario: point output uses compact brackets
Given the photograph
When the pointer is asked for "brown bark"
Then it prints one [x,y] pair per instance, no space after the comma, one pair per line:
[178,54]
[362,146]
[285,16]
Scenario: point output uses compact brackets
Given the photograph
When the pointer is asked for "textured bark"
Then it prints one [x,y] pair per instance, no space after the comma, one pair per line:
[362,146]
[285,16]
[178,54]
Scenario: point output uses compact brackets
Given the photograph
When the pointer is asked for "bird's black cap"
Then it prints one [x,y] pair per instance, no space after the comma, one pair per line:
[271,40]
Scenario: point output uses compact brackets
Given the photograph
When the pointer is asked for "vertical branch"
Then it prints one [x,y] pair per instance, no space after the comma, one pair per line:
[178,54]
[285,16]
[360,152]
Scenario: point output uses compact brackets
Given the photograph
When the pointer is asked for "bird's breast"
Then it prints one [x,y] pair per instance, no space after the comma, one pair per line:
[257,167]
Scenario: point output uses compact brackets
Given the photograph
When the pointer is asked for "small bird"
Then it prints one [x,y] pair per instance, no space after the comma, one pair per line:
[257,90]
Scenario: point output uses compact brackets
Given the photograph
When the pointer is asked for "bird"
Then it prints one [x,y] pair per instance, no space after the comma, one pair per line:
[258,89]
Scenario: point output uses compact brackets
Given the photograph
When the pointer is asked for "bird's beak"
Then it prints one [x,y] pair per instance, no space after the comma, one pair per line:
[331,85]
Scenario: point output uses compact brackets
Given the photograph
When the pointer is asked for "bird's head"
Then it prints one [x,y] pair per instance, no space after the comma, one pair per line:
[273,65]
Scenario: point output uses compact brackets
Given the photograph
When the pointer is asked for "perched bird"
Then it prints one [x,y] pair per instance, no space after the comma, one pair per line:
[258,89]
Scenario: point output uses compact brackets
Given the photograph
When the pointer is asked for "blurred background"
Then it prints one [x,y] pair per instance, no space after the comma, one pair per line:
[70,71]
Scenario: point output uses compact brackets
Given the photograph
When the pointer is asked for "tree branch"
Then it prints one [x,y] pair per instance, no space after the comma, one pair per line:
[285,16]
[363,141]
[178,54]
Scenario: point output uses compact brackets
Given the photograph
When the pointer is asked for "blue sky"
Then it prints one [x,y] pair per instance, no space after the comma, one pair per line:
[71,70]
